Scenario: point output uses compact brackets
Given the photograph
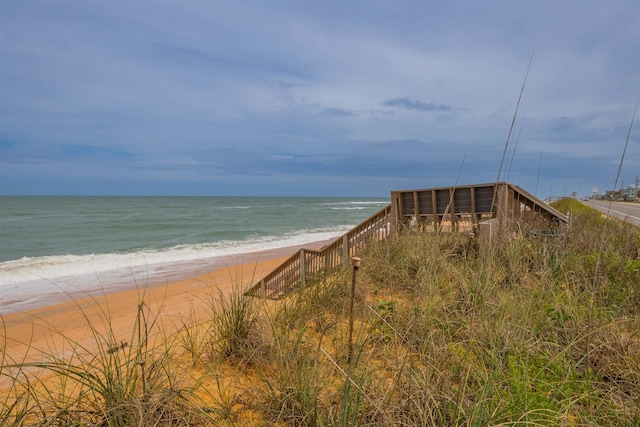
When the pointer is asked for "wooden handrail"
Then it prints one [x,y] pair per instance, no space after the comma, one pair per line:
[308,266]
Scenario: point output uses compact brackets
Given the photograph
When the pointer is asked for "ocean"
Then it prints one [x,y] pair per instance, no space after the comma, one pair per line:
[56,247]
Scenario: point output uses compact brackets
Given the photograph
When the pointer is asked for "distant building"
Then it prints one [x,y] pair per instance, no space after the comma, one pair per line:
[630,193]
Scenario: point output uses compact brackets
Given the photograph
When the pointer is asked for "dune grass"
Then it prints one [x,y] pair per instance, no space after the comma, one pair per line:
[532,331]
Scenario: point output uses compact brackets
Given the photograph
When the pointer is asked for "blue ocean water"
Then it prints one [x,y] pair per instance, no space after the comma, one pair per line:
[65,241]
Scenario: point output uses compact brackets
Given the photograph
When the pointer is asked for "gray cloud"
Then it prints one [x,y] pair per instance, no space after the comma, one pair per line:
[247,97]
[336,112]
[417,105]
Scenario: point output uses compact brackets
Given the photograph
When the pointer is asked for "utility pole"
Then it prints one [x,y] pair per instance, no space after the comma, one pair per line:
[635,195]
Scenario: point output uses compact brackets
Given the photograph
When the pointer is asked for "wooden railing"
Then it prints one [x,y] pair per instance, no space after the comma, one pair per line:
[477,202]
[308,266]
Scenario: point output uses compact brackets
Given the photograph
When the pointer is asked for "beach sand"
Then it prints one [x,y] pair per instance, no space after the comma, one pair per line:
[61,329]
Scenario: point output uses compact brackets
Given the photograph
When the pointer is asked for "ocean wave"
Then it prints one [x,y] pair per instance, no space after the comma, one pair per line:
[31,282]
[358,202]
[52,268]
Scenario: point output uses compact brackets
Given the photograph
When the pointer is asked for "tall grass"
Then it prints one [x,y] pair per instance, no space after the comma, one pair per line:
[104,381]
[529,331]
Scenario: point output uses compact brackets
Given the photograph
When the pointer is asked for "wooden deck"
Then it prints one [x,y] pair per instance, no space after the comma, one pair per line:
[448,207]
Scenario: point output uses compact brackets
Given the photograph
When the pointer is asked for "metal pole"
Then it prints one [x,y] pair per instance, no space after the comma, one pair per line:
[355,261]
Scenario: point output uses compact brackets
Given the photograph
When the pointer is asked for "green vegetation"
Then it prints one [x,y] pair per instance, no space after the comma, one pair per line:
[532,331]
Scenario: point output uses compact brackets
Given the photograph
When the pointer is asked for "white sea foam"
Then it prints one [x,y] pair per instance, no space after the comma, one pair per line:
[356,202]
[31,282]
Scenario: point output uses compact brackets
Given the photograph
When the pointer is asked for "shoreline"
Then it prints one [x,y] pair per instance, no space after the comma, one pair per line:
[40,332]
[106,282]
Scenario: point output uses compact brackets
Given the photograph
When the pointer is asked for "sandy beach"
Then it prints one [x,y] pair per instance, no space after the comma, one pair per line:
[37,334]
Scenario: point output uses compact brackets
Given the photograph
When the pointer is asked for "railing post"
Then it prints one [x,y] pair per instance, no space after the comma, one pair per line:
[327,263]
[345,249]
[303,269]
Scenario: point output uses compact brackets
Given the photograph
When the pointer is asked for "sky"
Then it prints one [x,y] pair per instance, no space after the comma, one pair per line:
[316,98]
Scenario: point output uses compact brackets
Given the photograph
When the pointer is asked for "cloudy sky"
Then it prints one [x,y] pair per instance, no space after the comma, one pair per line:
[315,97]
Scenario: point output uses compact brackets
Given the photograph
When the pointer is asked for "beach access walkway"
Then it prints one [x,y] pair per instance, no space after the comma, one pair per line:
[479,208]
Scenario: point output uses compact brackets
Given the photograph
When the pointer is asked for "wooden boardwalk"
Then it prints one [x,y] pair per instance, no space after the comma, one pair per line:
[432,208]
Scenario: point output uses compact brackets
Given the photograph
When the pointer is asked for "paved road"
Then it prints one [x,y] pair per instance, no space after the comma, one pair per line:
[622,210]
